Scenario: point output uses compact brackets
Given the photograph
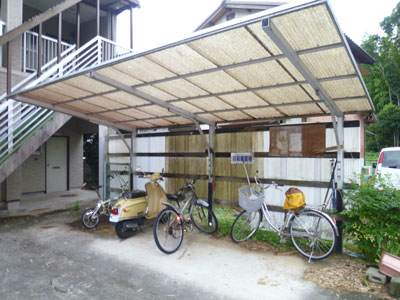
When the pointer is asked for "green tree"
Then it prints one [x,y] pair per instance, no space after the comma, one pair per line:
[389,123]
[384,81]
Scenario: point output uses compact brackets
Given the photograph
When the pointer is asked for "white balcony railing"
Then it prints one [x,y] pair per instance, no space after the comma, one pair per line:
[30,50]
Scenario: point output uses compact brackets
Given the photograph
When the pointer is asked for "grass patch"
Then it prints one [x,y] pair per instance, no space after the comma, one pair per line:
[226,217]
[371,157]
[76,206]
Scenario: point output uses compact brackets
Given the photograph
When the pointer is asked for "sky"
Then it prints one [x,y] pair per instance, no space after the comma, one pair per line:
[159,22]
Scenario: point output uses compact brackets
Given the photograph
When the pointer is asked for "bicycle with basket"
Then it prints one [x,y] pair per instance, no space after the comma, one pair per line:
[312,231]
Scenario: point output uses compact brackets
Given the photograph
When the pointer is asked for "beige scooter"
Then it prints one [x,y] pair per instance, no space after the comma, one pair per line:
[135,207]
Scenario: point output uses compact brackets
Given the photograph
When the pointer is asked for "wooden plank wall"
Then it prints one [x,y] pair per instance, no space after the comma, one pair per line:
[226,142]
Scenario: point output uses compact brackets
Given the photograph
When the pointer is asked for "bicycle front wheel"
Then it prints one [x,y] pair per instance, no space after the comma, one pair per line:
[204,218]
[245,225]
[312,234]
[168,231]
[89,218]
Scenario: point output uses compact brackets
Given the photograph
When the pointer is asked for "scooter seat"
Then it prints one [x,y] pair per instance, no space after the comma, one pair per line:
[134,194]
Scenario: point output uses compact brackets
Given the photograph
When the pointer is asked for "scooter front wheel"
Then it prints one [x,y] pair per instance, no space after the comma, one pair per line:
[168,231]
[90,219]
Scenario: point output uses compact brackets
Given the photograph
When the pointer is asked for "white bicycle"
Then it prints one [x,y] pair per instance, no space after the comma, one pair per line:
[312,232]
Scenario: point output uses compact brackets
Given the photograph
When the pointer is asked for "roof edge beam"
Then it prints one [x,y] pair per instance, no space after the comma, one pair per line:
[276,36]
[128,89]
[71,112]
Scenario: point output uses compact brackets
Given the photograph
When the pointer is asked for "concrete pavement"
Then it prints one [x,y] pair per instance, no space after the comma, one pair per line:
[47,258]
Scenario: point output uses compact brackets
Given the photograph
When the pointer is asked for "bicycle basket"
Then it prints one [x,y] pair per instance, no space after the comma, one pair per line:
[250,199]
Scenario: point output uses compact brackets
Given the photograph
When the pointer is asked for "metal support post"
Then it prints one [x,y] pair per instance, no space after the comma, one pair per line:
[9,83]
[340,179]
[39,64]
[59,37]
[78,25]
[131,27]
[133,158]
[211,138]
[103,154]
[98,17]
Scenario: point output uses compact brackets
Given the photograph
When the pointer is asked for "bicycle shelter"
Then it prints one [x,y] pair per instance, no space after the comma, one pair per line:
[289,61]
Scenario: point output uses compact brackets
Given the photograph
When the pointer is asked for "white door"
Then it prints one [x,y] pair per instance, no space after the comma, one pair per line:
[56,164]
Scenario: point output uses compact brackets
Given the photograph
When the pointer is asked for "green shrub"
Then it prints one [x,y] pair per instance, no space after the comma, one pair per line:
[372,217]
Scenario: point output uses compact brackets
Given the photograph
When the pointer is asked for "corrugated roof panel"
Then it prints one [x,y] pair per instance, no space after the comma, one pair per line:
[135,113]
[138,124]
[181,88]
[256,29]
[329,63]
[344,88]
[246,99]
[49,96]
[104,102]
[121,76]
[143,69]
[125,98]
[160,122]
[156,110]
[261,74]
[82,107]
[232,42]
[287,94]
[263,113]
[35,94]
[216,82]
[210,104]
[116,116]
[308,88]
[291,69]
[188,107]
[179,120]
[353,105]
[181,60]
[232,115]
[68,90]
[210,117]
[157,93]
[259,87]
[308,28]
[85,83]
[300,110]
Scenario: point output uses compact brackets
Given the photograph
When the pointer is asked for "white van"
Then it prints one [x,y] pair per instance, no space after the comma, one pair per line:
[389,164]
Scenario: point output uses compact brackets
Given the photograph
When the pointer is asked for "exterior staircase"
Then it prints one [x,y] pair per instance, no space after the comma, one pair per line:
[25,127]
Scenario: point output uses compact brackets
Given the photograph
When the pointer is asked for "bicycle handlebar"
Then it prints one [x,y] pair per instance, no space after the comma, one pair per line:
[264,187]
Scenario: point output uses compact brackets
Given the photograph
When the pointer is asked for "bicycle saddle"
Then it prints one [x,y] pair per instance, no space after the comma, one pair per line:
[174,197]
[95,187]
